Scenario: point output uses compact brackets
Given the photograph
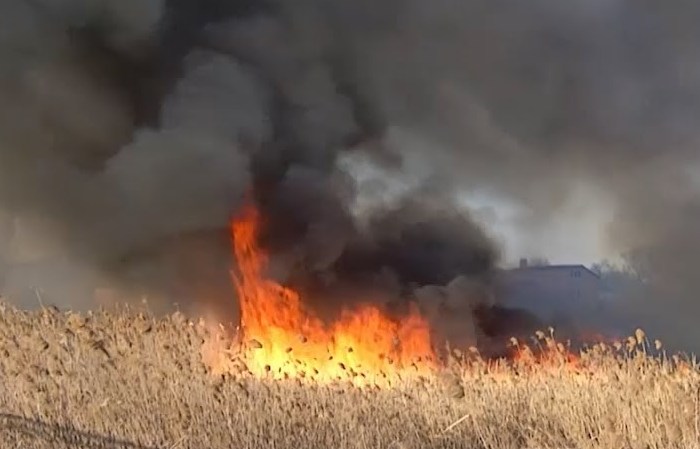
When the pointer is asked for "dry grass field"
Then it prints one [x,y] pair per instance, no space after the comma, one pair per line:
[124,380]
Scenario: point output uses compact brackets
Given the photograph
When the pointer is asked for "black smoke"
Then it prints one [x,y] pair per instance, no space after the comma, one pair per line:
[137,130]
[134,130]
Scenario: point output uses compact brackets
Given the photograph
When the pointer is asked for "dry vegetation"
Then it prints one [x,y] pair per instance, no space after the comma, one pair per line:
[126,380]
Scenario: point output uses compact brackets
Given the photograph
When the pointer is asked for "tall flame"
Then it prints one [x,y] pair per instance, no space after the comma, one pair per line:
[288,340]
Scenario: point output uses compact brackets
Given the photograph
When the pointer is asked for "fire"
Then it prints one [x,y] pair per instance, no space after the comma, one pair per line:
[286,340]
[280,337]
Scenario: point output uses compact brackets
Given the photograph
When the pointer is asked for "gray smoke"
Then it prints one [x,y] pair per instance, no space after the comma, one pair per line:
[136,128]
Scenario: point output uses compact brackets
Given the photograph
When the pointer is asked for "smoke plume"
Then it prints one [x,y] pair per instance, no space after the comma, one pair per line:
[134,130]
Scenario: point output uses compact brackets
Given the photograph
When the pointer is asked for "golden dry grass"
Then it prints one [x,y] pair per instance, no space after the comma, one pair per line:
[126,380]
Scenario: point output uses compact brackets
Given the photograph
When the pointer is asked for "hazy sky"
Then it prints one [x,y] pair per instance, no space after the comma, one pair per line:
[575,231]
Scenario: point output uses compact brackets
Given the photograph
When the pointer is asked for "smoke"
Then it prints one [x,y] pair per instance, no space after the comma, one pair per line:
[136,128]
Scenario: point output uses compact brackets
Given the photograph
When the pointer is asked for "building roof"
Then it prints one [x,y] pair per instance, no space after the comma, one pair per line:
[554,267]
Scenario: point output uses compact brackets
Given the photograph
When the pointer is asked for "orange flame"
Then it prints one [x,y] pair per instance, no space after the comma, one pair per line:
[287,340]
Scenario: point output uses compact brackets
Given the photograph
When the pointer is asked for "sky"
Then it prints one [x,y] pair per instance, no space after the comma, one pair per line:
[575,232]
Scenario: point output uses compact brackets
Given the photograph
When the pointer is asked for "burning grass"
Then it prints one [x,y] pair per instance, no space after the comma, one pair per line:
[127,380]
[292,342]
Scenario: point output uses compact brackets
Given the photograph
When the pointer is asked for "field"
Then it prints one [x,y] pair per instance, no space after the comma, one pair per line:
[125,380]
